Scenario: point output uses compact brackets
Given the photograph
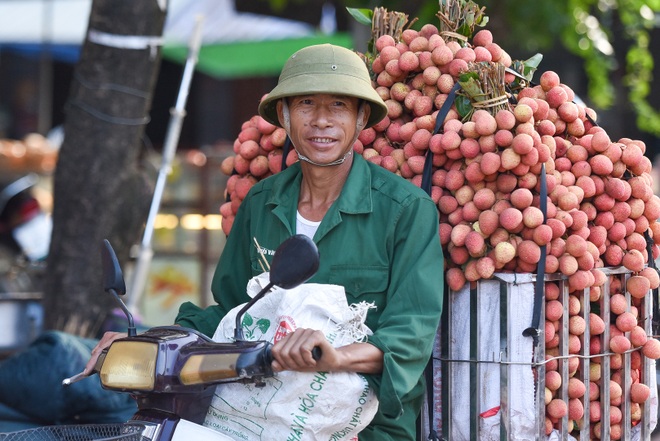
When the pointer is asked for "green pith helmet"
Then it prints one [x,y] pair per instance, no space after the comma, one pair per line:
[324,68]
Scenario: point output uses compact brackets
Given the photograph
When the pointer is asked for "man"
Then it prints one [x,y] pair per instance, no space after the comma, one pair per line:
[377,236]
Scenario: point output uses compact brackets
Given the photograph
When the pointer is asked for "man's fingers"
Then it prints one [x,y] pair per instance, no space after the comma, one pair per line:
[105,342]
[294,352]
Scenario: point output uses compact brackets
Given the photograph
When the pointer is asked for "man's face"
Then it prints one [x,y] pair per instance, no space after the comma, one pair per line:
[322,126]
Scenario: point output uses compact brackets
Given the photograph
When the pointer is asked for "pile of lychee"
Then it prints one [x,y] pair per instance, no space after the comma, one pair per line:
[258,154]
[486,181]
[621,335]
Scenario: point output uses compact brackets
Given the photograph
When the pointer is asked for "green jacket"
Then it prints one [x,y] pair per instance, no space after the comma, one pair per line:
[380,241]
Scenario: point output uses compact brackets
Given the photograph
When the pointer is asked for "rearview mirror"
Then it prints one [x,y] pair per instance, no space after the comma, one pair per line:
[113,281]
[112,274]
[295,261]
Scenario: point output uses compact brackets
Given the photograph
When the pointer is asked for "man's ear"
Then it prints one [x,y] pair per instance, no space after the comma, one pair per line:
[363,115]
[283,114]
[280,113]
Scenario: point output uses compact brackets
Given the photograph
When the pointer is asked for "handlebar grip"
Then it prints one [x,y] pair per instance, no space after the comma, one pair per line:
[317,353]
[268,355]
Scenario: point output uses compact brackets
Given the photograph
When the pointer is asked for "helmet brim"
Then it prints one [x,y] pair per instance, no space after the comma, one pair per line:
[338,72]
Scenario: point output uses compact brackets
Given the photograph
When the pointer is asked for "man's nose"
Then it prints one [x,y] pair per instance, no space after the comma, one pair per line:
[322,117]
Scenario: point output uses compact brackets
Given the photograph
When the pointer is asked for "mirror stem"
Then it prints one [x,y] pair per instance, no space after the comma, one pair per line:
[132,332]
[238,331]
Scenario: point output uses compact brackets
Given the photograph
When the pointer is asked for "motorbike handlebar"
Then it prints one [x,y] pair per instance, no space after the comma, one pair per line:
[317,353]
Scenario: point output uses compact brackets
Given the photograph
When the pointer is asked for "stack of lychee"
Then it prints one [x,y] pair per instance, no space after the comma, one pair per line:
[257,154]
[486,169]
[487,184]
[486,180]
[625,338]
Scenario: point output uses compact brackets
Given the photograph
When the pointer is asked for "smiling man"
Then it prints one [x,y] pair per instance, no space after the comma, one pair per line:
[377,235]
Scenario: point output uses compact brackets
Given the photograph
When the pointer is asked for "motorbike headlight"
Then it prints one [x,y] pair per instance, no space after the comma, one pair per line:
[200,369]
[130,365]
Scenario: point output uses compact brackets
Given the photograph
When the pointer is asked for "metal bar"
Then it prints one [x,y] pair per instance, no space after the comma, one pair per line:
[169,149]
[505,413]
[614,270]
[626,380]
[479,363]
[540,378]
[605,360]
[446,366]
[583,375]
[562,364]
[475,385]
[648,365]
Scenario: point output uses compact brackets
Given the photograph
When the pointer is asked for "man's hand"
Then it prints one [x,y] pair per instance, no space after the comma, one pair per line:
[105,341]
[294,353]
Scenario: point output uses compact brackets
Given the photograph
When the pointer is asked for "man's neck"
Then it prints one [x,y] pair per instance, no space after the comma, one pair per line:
[320,187]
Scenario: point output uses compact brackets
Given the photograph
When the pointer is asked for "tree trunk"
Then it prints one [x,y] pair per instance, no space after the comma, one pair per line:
[100,192]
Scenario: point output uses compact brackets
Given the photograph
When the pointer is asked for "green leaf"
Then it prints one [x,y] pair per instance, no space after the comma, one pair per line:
[247,320]
[469,19]
[534,61]
[463,105]
[263,325]
[530,65]
[470,85]
[465,30]
[466,76]
[362,15]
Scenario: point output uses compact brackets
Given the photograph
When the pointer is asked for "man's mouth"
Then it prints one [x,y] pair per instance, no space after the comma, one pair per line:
[322,140]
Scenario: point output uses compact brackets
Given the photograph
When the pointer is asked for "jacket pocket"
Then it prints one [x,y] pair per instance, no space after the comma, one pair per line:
[259,264]
[360,280]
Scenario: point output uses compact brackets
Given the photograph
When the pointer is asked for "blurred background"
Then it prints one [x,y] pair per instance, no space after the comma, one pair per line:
[590,45]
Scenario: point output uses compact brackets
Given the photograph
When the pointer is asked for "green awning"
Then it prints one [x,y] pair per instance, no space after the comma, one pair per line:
[250,59]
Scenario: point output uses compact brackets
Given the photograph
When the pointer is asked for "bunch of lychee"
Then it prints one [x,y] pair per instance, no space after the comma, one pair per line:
[486,169]
[581,402]
[486,181]
[257,154]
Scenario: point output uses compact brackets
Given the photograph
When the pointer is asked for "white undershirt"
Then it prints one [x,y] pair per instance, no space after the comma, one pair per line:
[306,227]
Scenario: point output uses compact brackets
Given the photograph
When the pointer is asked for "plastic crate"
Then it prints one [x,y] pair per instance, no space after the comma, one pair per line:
[490,372]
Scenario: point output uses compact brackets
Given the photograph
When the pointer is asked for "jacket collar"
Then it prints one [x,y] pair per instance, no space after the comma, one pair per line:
[355,197]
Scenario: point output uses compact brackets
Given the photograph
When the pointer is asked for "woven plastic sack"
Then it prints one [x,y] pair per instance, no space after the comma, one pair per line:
[296,405]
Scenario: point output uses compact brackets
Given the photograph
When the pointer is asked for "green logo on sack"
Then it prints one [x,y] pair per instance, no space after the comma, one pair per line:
[250,326]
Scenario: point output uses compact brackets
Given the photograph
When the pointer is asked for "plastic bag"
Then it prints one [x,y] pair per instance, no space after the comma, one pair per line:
[296,405]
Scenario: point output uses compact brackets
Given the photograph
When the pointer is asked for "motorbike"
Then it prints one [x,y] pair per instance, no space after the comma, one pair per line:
[170,371]
[25,230]
[24,226]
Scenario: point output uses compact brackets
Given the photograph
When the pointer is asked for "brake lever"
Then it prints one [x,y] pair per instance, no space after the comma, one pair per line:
[82,375]
[74,379]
